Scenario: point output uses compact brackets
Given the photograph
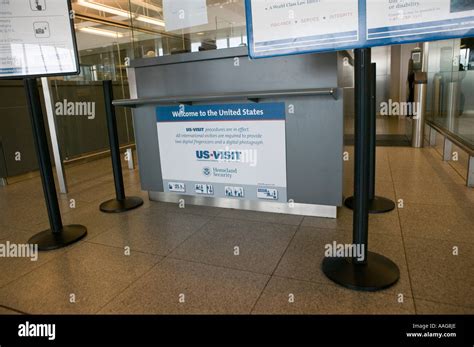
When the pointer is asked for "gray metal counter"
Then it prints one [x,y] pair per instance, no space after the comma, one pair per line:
[314,132]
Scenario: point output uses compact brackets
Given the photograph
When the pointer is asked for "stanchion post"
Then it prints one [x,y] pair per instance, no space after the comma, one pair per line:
[376,204]
[58,235]
[373,271]
[373,129]
[121,203]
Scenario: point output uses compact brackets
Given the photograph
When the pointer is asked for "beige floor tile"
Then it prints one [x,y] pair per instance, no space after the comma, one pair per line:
[157,233]
[13,268]
[263,217]
[207,290]
[304,256]
[430,307]
[6,311]
[437,222]
[260,245]
[442,193]
[93,273]
[313,298]
[438,275]
[186,208]
[386,223]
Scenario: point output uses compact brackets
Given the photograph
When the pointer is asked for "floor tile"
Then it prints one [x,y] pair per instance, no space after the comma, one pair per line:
[313,298]
[437,222]
[157,233]
[13,268]
[438,275]
[430,307]
[6,311]
[260,245]
[207,290]
[386,223]
[304,256]
[263,217]
[186,208]
[93,273]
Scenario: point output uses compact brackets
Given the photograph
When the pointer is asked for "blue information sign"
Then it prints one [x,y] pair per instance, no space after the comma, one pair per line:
[282,27]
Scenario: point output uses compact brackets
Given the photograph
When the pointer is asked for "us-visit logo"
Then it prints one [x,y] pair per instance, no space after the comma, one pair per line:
[228,155]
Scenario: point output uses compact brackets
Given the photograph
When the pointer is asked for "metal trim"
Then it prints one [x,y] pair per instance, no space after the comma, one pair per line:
[251,96]
[58,163]
[251,205]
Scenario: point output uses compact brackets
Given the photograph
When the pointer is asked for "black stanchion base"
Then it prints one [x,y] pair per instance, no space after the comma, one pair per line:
[378,273]
[117,206]
[47,240]
[376,205]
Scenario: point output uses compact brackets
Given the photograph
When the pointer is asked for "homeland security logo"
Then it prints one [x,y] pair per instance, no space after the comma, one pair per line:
[206,171]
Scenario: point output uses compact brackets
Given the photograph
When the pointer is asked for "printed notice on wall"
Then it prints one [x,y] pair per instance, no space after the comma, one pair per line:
[235,151]
[404,20]
[184,14]
[36,38]
[283,26]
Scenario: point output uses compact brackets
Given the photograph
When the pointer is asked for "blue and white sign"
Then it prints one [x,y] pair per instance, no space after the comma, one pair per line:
[282,27]
[234,151]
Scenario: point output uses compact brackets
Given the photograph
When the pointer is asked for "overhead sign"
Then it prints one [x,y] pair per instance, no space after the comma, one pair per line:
[281,27]
[37,38]
[235,151]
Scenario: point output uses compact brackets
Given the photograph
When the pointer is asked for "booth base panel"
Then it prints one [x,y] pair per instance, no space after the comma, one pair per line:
[261,206]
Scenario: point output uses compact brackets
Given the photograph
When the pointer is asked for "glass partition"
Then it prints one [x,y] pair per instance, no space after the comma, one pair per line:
[450,101]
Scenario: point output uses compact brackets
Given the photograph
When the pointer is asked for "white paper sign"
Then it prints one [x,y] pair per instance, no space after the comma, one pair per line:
[181,14]
[36,38]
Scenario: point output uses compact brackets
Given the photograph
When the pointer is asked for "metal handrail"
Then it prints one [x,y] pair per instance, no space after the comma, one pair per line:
[251,96]
[458,141]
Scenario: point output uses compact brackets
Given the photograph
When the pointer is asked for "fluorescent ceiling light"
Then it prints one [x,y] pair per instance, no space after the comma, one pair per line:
[104,8]
[150,20]
[101,32]
[146,5]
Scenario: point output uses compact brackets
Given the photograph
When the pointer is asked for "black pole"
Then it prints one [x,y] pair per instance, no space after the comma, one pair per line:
[372,129]
[376,204]
[362,148]
[121,203]
[42,153]
[113,140]
[58,236]
[367,271]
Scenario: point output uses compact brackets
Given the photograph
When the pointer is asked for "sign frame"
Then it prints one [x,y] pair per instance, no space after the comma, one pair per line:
[363,41]
[75,51]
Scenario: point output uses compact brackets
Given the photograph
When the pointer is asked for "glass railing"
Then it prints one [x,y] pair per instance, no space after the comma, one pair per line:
[450,103]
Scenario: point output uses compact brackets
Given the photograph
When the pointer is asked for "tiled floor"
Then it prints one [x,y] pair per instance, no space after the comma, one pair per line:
[163,259]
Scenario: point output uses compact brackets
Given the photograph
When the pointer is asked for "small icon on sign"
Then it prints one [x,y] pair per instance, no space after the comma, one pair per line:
[177,187]
[41,29]
[267,193]
[206,189]
[235,192]
[206,171]
[38,5]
